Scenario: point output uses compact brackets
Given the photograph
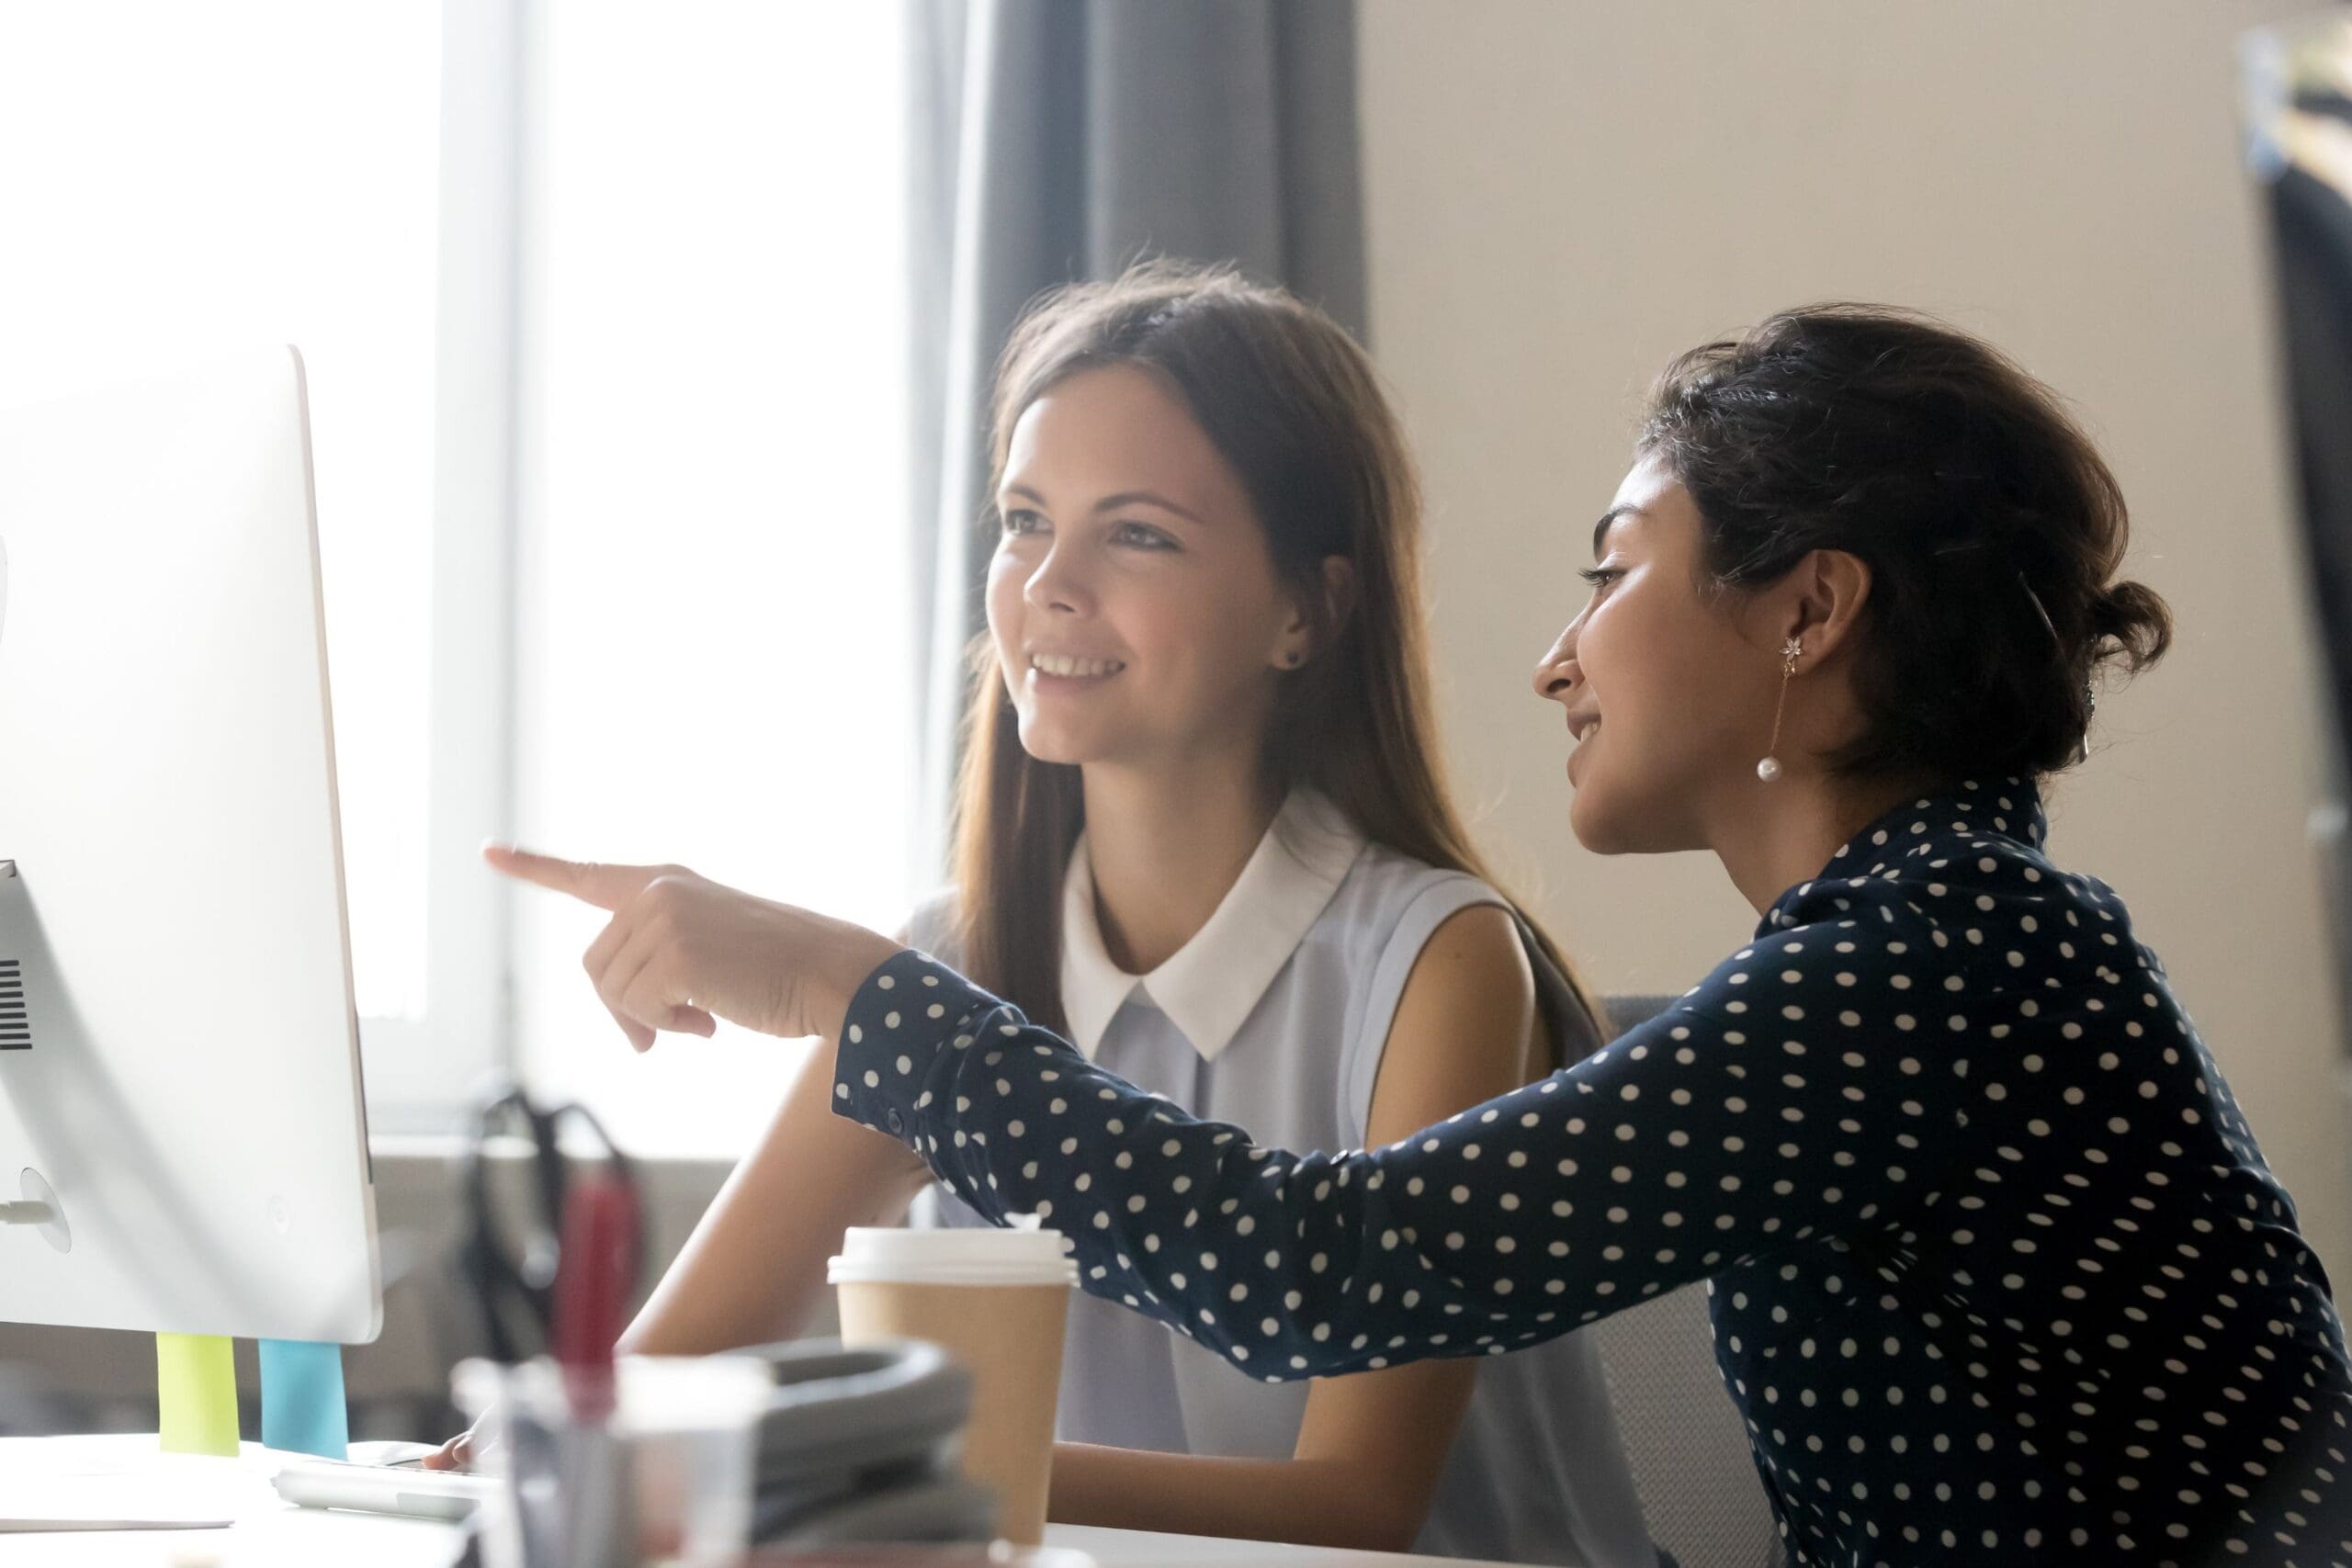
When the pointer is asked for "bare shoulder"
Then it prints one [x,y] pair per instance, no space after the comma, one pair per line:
[1475,954]
[1464,1028]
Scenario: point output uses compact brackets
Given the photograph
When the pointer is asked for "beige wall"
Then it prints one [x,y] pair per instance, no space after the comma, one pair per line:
[1563,195]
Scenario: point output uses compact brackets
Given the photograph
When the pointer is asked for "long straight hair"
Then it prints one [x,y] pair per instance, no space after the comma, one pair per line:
[1291,402]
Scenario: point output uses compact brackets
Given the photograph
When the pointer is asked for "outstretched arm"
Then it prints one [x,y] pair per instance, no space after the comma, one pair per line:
[1706,1137]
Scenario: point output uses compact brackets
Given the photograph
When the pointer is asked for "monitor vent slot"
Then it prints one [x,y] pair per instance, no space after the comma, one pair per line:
[15,1027]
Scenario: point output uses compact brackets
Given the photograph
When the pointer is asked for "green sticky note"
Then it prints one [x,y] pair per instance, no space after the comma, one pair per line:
[196,1390]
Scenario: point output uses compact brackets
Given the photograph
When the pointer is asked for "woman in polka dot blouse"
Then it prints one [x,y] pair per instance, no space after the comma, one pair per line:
[1997,1269]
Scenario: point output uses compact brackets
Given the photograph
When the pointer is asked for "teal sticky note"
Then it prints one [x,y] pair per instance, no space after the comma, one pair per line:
[302,1406]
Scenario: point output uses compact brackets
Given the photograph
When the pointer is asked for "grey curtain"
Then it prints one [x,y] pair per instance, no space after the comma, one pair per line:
[1057,139]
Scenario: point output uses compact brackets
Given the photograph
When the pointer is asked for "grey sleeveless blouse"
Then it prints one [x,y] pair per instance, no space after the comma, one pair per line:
[1273,1018]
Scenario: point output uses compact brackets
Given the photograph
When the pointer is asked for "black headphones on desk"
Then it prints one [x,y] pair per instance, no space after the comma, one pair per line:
[512,1276]
[859,1445]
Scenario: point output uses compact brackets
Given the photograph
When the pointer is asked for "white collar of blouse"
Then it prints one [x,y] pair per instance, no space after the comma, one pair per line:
[1214,982]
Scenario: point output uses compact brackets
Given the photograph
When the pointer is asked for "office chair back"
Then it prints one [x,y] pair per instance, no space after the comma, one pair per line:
[1684,1440]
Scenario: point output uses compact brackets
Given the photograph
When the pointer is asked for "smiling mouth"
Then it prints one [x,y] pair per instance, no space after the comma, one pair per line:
[1065,667]
[1583,730]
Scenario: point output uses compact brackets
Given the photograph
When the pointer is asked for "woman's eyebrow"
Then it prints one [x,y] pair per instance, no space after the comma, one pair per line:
[1112,502]
[1145,498]
[1609,519]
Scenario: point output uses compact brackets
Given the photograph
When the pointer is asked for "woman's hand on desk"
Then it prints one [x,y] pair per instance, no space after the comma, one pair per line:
[457,1453]
[681,951]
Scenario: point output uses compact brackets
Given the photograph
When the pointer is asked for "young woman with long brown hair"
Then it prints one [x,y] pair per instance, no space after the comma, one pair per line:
[1202,829]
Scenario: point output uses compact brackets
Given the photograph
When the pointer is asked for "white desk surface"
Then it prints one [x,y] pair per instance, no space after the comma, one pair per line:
[81,1474]
[1141,1549]
[272,1533]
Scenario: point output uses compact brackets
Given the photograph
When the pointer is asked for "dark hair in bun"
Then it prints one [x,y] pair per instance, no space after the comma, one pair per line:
[1991,526]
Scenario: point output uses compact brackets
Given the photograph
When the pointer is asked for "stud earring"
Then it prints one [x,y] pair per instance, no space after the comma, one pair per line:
[1294,658]
[1791,651]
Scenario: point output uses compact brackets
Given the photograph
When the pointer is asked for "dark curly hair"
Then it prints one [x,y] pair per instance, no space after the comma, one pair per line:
[1991,527]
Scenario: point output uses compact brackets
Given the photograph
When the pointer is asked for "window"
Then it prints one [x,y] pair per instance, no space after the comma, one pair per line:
[604,315]
[188,180]
[714,665]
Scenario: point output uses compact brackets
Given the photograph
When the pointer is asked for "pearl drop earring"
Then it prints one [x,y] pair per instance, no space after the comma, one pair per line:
[1791,651]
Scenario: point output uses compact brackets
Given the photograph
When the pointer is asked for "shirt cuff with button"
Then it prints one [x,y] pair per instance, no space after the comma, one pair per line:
[903,1017]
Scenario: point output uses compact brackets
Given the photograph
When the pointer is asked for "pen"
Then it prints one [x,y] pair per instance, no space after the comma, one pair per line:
[595,1274]
[596,1270]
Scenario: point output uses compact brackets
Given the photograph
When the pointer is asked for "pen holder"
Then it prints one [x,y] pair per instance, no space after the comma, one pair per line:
[658,1469]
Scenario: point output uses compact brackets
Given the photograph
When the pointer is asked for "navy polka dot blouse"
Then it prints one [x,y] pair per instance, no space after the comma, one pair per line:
[1996,1266]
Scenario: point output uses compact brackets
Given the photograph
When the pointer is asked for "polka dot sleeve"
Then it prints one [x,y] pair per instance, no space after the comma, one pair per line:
[1747,1116]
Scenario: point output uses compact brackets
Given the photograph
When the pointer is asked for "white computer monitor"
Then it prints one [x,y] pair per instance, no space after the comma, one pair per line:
[180,1063]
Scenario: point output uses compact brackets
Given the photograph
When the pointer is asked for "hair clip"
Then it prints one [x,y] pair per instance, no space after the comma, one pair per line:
[2035,599]
[2090,688]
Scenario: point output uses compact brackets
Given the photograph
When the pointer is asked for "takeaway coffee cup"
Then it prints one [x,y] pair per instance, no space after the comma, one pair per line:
[997,1301]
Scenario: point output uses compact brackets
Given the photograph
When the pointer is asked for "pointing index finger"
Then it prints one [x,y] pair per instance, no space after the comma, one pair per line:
[606,886]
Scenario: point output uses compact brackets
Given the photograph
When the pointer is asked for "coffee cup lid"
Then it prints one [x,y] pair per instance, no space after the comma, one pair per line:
[1024,1254]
